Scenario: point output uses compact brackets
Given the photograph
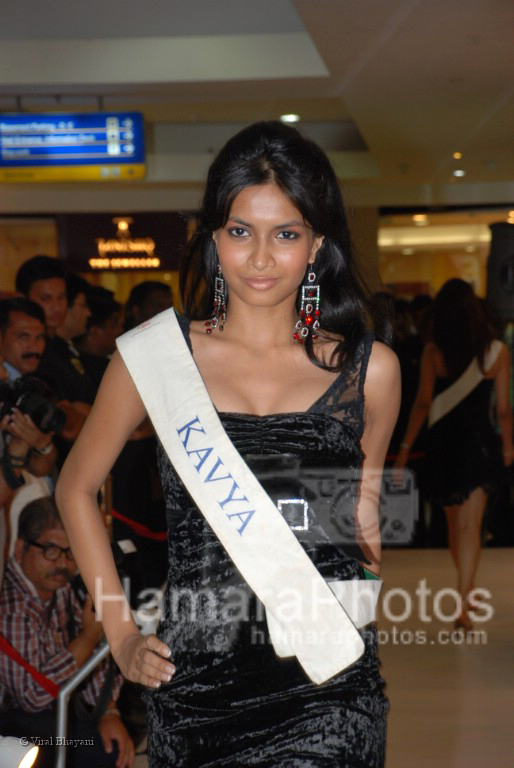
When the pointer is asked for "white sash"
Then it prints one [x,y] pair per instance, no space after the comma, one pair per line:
[447,400]
[312,623]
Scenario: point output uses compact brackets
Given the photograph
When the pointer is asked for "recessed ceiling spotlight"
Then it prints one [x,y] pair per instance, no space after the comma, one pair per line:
[470,248]
[407,251]
[420,219]
[290,118]
[459,172]
[457,155]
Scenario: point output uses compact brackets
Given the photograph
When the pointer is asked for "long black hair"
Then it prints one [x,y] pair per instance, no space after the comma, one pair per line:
[271,152]
[459,327]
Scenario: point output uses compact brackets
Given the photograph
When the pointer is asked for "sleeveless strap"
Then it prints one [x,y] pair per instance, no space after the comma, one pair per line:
[254,533]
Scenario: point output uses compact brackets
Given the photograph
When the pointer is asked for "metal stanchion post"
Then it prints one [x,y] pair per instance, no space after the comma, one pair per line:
[64,697]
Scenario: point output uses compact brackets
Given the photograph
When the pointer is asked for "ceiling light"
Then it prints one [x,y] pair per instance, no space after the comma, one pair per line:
[290,118]
[470,248]
[420,219]
[459,172]
[407,251]
[457,155]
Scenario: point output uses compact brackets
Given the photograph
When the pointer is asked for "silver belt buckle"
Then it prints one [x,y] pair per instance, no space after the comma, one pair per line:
[295,513]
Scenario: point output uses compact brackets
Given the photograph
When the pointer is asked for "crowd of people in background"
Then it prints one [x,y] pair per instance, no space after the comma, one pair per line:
[57,334]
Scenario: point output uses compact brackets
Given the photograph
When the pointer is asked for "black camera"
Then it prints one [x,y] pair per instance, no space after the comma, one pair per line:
[33,397]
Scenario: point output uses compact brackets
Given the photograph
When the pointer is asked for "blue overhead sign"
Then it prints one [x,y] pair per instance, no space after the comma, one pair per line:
[104,146]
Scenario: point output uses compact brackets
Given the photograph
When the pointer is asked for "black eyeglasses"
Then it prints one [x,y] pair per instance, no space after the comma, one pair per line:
[52,551]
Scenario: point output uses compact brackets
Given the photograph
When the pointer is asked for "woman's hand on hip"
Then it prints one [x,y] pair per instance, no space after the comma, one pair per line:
[145,660]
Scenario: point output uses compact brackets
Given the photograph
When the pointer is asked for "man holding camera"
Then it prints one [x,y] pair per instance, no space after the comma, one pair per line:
[48,634]
[25,444]
[62,298]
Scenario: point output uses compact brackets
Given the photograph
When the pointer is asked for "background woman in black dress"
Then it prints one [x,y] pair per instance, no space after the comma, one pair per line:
[464,454]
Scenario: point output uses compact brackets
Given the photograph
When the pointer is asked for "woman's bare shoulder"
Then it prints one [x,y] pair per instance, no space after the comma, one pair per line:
[382,385]
[383,376]
[117,380]
[382,361]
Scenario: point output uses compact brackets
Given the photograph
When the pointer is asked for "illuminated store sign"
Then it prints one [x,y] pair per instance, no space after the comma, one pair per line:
[131,240]
[104,146]
[131,252]
[124,263]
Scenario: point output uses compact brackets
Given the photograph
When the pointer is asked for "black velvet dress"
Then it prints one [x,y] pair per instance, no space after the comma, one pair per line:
[463,447]
[232,701]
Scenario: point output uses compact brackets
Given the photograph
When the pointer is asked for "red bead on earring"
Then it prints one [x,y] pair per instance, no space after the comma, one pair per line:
[219,314]
[309,314]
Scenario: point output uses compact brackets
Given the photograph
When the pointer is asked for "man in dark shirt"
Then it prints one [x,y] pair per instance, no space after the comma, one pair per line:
[98,343]
[63,300]
[23,445]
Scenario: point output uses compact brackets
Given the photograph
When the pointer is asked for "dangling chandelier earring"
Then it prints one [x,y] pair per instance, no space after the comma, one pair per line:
[219,314]
[309,314]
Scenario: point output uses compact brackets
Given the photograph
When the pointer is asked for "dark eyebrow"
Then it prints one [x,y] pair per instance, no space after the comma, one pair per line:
[292,223]
[285,225]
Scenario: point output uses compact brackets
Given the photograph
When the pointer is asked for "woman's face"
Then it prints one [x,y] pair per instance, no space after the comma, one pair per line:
[265,247]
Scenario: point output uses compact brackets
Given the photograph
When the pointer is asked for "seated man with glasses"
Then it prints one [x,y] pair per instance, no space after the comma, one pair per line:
[48,632]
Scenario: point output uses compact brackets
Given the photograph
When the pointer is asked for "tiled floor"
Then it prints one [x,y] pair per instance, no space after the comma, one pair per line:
[452,702]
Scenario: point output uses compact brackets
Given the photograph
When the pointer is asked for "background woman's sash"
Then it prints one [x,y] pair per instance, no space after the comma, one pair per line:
[447,400]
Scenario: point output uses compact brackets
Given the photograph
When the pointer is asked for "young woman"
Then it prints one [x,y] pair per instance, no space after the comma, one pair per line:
[271,231]
[459,368]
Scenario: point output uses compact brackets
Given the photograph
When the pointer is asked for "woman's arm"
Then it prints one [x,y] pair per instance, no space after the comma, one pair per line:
[503,408]
[421,405]
[382,393]
[117,411]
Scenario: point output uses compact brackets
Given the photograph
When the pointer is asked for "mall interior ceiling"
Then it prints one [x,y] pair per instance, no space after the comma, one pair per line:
[392,89]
